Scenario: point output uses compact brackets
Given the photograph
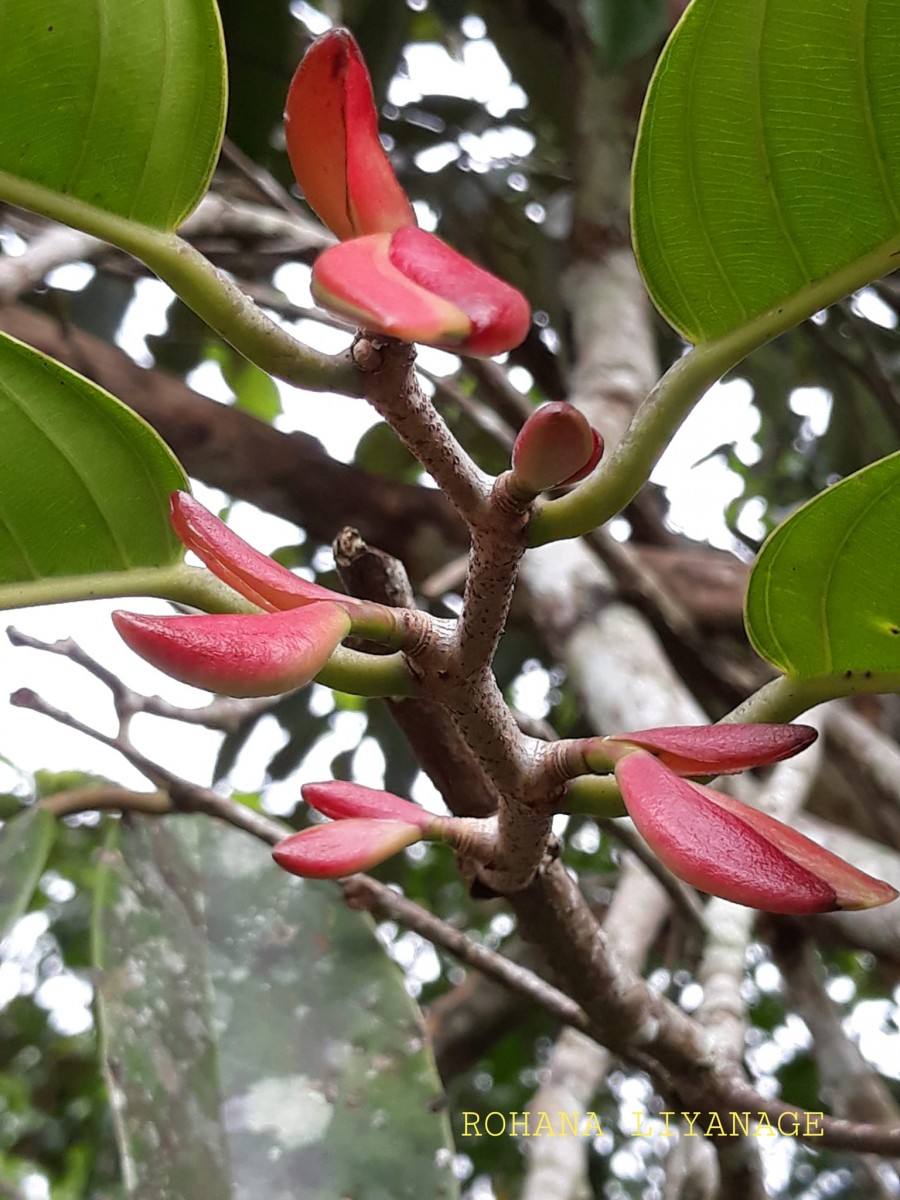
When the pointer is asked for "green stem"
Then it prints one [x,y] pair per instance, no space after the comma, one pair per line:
[367,674]
[213,297]
[788,697]
[597,795]
[171,582]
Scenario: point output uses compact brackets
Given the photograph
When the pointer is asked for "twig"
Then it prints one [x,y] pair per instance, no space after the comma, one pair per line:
[391,387]
[223,713]
[264,181]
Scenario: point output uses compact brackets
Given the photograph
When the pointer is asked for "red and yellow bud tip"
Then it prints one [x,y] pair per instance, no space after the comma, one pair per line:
[331,128]
[255,576]
[712,749]
[243,655]
[411,285]
[555,446]
[340,800]
[734,851]
[342,848]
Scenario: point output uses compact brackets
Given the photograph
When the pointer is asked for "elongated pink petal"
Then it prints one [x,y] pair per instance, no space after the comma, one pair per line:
[331,128]
[718,749]
[245,655]
[340,800]
[854,888]
[411,285]
[720,846]
[256,576]
[555,446]
[500,315]
[343,847]
[358,280]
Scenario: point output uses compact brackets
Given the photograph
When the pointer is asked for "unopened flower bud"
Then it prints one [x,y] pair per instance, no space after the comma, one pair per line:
[555,446]
[342,848]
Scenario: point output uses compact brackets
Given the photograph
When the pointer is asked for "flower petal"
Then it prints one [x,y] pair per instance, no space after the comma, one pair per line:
[340,800]
[243,655]
[358,280]
[715,849]
[331,128]
[500,315]
[718,749]
[854,888]
[256,576]
[342,848]
[555,446]
[411,285]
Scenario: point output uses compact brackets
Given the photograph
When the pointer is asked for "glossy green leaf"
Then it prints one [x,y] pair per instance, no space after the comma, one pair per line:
[119,104]
[767,171]
[85,480]
[320,1084]
[25,844]
[824,593]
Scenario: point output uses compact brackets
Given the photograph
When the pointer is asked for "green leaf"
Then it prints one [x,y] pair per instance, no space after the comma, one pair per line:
[118,104]
[824,593]
[767,170]
[85,481]
[287,1020]
[25,844]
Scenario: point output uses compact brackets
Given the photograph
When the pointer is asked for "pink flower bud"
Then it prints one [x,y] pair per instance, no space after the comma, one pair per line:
[712,749]
[734,851]
[255,576]
[411,285]
[342,848]
[244,655]
[331,128]
[555,446]
[340,800]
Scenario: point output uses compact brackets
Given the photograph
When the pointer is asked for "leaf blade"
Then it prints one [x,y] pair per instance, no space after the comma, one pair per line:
[768,161]
[117,104]
[823,594]
[104,477]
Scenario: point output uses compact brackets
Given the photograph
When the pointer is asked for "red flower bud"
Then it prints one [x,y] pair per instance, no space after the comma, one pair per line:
[712,749]
[331,128]
[411,285]
[729,849]
[555,446]
[340,800]
[255,576]
[342,848]
[244,655]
